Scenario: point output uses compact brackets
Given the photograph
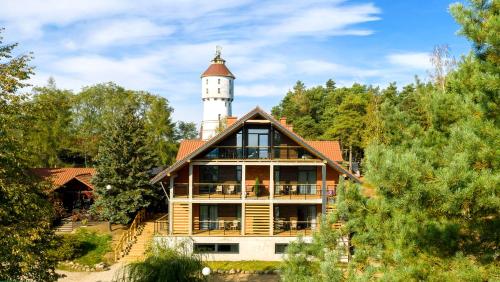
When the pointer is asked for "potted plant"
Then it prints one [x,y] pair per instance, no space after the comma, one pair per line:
[256,187]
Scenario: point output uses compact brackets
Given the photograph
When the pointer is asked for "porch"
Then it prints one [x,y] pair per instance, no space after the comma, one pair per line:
[293,220]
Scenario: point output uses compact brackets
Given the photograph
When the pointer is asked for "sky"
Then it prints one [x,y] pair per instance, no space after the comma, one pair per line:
[163,46]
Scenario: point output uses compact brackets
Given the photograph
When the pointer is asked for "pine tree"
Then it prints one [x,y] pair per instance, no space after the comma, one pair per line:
[124,163]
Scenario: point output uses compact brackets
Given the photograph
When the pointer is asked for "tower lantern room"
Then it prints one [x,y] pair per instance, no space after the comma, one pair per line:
[217,86]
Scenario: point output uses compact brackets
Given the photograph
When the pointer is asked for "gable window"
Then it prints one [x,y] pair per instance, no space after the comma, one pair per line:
[218,81]
[258,143]
[218,90]
[206,81]
[207,90]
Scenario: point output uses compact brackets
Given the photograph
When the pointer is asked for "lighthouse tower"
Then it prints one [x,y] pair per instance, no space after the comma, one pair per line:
[217,85]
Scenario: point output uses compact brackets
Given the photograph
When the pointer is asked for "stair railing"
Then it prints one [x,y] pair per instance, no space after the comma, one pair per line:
[127,238]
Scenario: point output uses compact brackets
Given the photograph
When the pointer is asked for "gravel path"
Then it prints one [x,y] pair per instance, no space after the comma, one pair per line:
[107,276]
[101,276]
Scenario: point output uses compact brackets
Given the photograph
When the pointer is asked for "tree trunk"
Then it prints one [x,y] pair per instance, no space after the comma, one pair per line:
[109,226]
[350,158]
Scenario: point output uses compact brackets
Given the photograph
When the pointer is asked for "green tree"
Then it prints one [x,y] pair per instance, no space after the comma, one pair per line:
[124,163]
[50,138]
[97,104]
[186,130]
[435,170]
[25,212]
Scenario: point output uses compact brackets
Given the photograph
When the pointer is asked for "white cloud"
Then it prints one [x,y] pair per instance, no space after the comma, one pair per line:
[414,60]
[123,31]
[327,21]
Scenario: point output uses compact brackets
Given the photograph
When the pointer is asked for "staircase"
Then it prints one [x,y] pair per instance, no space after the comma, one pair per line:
[138,249]
[66,225]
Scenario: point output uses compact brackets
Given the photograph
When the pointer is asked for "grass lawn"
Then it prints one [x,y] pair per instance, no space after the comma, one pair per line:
[244,265]
[86,247]
[94,246]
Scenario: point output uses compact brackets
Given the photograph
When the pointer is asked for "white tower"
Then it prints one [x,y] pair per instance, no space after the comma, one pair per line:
[217,95]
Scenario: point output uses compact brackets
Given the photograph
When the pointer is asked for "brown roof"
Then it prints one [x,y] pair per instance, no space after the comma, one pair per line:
[187,147]
[61,176]
[217,70]
[330,149]
[231,129]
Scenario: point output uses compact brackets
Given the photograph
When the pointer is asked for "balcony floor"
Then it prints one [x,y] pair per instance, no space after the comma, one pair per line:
[217,232]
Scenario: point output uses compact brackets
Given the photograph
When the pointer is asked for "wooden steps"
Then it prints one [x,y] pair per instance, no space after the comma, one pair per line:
[138,249]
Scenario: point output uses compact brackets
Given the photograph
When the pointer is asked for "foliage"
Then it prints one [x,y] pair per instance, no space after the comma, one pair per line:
[164,264]
[25,211]
[124,163]
[256,187]
[328,112]
[85,247]
[435,167]
[186,130]
[93,246]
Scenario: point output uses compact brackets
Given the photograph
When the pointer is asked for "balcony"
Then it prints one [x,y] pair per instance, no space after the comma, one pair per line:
[221,227]
[297,191]
[258,152]
[294,227]
[217,190]
[257,192]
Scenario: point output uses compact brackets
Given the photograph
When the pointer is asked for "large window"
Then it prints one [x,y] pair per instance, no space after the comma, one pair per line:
[258,143]
[216,248]
[280,248]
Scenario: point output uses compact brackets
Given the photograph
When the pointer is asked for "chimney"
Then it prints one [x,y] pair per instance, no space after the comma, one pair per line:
[283,121]
[230,121]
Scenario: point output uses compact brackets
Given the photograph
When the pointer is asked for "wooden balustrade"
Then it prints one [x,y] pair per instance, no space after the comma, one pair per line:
[127,238]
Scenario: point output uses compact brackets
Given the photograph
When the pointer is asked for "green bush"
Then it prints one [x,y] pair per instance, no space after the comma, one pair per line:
[66,247]
[164,264]
[85,247]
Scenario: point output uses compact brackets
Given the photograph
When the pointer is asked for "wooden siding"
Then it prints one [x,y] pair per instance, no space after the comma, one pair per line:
[181,218]
[257,219]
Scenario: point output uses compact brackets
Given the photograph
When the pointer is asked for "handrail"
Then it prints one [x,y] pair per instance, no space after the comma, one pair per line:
[129,235]
[296,190]
[292,227]
[161,225]
[218,226]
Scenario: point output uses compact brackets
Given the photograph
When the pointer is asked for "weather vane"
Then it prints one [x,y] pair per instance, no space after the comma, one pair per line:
[218,50]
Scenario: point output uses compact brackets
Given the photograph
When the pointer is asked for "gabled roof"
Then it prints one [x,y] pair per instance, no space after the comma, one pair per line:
[235,126]
[188,146]
[331,149]
[217,69]
[61,176]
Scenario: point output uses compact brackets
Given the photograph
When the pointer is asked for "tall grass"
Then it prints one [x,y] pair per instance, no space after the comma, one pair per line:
[164,264]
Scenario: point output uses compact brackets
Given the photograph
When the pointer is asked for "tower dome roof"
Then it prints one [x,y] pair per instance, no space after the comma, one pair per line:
[217,70]
[218,67]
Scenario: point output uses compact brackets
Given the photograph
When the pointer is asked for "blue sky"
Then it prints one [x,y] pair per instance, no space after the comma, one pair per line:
[164,46]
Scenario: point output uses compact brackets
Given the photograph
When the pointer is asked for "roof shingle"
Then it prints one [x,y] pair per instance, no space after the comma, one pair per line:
[61,176]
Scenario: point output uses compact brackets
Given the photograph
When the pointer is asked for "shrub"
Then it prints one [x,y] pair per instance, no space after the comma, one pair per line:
[164,264]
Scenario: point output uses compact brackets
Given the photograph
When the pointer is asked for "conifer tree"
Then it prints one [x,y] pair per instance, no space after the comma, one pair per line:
[124,164]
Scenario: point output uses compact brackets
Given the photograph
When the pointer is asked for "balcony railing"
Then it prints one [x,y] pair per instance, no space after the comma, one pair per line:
[290,152]
[217,227]
[217,190]
[258,152]
[257,192]
[161,225]
[297,191]
[294,227]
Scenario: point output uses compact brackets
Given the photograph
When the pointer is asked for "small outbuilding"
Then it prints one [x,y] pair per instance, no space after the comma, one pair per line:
[72,186]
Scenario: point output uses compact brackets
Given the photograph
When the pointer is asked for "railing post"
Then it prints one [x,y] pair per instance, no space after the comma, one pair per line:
[271,181]
[323,188]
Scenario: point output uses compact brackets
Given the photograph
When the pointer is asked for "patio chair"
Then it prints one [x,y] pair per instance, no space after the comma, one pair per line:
[293,224]
[218,189]
[293,191]
[230,190]
[222,225]
[234,224]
